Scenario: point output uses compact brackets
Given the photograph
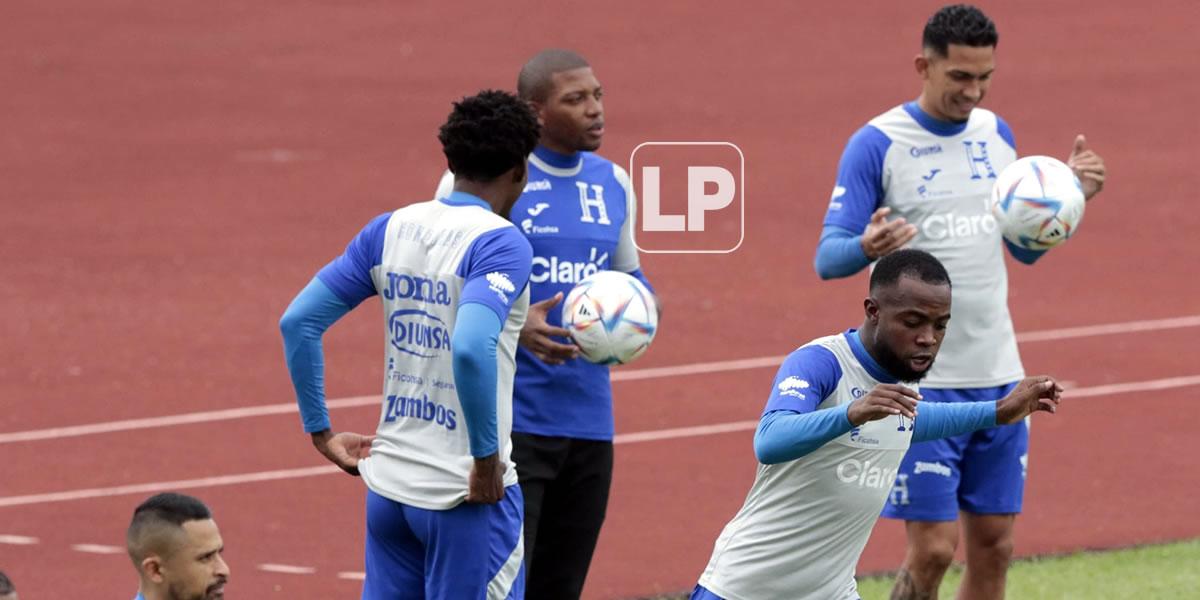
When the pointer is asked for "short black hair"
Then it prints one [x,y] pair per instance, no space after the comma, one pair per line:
[537,76]
[960,24]
[487,134]
[157,512]
[914,263]
[6,584]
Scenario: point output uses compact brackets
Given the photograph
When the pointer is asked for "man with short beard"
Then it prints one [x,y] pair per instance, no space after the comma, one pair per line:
[842,413]
[176,548]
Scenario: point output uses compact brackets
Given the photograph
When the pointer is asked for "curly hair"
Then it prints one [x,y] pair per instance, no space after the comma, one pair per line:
[960,24]
[487,134]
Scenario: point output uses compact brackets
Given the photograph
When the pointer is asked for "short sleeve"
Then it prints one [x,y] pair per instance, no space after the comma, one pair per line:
[349,275]
[859,188]
[805,379]
[496,269]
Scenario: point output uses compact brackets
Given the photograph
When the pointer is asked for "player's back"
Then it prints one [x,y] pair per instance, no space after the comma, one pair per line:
[805,522]
[939,177]
[422,455]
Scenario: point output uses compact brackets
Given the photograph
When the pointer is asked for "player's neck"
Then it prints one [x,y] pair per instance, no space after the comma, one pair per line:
[926,106]
[556,155]
[488,192]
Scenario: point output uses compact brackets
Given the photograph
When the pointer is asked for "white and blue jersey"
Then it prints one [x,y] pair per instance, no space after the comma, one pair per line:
[426,261]
[578,213]
[805,521]
[821,481]
[939,176]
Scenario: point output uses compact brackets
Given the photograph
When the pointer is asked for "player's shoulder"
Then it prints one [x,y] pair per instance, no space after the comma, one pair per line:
[820,351]
[989,122]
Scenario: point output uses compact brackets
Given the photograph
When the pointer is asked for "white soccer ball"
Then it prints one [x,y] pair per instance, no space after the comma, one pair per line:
[1038,202]
[611,316]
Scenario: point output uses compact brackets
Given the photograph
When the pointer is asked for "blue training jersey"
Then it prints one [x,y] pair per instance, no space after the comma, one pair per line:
[577,212]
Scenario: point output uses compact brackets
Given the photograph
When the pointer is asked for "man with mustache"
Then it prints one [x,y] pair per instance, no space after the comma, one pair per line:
[842,413]
[176,548]
[920,175]
[577,211]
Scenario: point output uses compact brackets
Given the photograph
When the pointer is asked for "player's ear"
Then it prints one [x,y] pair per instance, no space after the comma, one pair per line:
[921,64]
[536,107]
[152,568]
[871,310]
[519,172]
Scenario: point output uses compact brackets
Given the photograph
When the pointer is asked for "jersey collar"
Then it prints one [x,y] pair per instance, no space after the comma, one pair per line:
[464,199]
[931,124]
[864,358]
[553,163]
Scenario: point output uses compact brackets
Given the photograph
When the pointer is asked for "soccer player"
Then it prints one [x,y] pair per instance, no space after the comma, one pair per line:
[920,175]
[578,213]
[176,548]
[443,506]
[841,414]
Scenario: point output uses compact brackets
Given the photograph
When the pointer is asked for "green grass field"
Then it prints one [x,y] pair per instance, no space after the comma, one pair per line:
[1143,573]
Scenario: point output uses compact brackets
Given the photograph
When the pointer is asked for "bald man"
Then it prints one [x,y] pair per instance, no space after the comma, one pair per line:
[7,590]
[176,548]
[577,211]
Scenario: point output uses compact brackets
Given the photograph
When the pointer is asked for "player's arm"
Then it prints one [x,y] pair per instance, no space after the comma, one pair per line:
[495,270]
[625,259]
[942,419]
[791,425]
[1023,255]
[856,230]
[338,288]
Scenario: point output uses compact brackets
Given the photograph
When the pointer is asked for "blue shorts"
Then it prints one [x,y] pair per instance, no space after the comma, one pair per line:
[469,552]
[702,593]
[981,472]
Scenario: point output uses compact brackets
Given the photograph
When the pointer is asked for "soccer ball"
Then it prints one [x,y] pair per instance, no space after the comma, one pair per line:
[1038,202]
[611,316]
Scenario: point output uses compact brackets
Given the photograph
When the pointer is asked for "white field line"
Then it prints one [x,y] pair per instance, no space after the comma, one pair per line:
[18,540]
[625,438]
[97,549]
[289,569]
[618,375]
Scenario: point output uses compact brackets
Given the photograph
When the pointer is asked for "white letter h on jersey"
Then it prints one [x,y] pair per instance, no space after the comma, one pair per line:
[586,203]
[982,157]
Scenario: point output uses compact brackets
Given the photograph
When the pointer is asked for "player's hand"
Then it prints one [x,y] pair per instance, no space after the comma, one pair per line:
[1088,167]
[536,334]
[344,449]
[1031,395]
[883,236]
[884,400]
[486,484]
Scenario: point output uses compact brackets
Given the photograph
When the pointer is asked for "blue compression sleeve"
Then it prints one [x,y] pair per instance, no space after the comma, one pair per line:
[839,253]
[1022,255]
[476,331]
[785,435]
[936,420]
[313,310]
